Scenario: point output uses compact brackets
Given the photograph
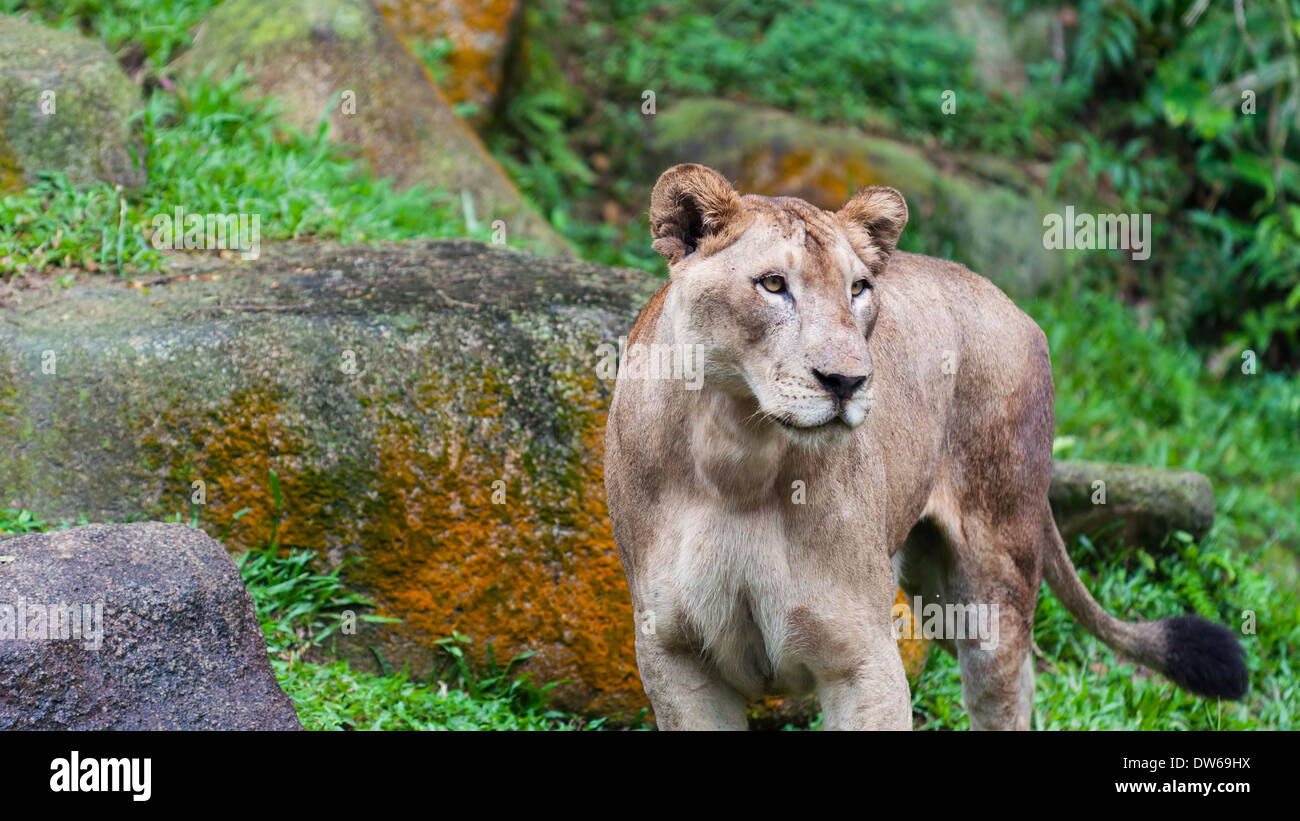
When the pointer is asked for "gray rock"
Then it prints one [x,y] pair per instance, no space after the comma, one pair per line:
[64,106]
[166,637]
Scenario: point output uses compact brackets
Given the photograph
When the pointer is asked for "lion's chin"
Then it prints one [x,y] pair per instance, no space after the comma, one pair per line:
[834,433]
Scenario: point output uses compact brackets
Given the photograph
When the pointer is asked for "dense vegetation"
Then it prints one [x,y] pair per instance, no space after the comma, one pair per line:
[1141,113]
[1170,108]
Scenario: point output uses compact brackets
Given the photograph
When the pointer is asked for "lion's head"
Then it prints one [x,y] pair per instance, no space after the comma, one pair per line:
[778,294]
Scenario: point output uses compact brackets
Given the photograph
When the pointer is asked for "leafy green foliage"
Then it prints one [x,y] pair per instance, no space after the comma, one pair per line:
[298,606]
[1144,114]
[19,522]
[535,139]
[830,61]
[1195,120]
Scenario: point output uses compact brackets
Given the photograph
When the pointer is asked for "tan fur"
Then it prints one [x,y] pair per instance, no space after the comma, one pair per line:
[933,472]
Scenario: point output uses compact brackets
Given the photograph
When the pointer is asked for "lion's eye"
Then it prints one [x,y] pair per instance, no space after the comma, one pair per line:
[773,283]
[859,286]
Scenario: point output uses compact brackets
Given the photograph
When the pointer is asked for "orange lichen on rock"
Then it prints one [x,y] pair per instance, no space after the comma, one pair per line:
[234,454]
[478,545]
[462,539]
[479,32]
[825,179]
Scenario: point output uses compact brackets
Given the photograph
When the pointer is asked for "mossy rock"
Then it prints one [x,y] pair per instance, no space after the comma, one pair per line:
[340,61]
[65,105]
[432,406]
[993,227]
[1130,504]
[912,645]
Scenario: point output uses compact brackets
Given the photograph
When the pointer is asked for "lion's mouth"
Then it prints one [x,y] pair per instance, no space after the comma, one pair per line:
[835,421]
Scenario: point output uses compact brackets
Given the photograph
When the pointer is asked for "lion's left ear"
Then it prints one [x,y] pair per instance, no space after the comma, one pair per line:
[873,219]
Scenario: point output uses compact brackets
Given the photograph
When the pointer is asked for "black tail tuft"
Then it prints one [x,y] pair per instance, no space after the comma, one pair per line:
[1204,658]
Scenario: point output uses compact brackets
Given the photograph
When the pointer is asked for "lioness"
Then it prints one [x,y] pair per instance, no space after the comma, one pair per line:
[867,418]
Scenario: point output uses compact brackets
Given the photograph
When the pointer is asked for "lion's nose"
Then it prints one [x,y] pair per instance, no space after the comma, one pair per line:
[838,384]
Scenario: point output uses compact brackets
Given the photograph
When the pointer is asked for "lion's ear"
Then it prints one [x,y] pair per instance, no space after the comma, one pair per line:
[873,219]
[689,203]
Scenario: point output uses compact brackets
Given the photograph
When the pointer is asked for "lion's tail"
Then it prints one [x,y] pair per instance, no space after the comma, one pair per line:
[1198,655]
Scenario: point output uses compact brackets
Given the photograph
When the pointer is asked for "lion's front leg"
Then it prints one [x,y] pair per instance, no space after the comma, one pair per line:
[868,691]
[853,654]
[686,692]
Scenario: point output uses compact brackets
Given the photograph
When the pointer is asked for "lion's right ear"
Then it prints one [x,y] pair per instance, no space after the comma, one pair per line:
[689,203]
[873,219]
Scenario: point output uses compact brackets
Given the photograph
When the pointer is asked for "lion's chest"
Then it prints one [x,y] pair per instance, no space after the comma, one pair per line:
[729,587]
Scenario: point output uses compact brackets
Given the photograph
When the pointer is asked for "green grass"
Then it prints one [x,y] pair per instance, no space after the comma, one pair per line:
[212,151]
[1130,393]
[335,697]
[300,608]
[1081,685]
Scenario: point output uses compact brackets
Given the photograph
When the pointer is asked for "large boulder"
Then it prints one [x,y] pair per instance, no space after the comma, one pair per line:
[131,627]
[435,407]
[65,105]
[338,60]
[983,213]
[479,32]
